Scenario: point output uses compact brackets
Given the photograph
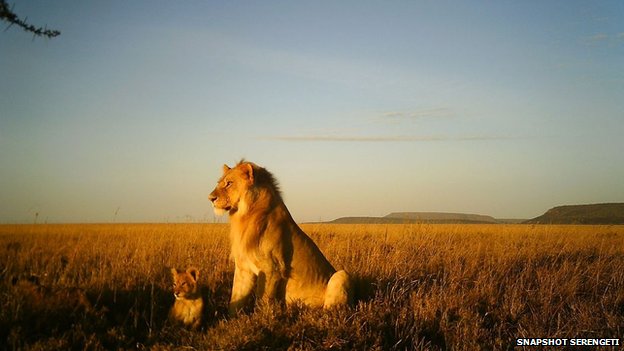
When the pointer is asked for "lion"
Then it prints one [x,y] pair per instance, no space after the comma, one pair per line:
[271,253]
[189,304]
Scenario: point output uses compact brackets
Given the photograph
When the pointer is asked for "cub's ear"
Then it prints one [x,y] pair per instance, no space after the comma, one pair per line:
[194,272]
[226,168]
[174,272]
[248,172]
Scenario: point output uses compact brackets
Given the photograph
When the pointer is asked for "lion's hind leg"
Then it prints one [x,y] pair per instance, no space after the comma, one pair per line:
[339,290]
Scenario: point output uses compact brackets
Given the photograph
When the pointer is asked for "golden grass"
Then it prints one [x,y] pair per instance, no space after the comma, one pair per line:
[422,286]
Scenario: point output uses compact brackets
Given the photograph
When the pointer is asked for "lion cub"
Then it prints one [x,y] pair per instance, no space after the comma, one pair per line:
[188,306]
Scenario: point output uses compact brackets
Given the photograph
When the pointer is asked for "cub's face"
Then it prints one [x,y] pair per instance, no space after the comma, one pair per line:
[231,187]
[184,282]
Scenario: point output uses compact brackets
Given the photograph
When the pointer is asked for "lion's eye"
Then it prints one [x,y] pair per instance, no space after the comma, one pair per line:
[228,183]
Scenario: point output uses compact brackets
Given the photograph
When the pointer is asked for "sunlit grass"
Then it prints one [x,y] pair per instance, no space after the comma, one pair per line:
[419,287]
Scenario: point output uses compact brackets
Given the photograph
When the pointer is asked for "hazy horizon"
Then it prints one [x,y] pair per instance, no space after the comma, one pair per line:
[504,109]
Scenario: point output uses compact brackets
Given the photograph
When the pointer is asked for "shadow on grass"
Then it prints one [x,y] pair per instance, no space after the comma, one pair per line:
[110,319]
[137,317]
[388,301]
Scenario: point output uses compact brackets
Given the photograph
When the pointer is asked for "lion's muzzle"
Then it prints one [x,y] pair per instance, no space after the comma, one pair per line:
[212,197]
[220,204]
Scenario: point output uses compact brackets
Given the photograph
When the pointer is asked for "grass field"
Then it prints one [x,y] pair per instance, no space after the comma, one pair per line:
[429,287]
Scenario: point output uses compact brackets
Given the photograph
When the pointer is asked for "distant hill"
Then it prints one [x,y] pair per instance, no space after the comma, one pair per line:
[442,217]
[510,220]
[370,220]
[582,214]
[419,217]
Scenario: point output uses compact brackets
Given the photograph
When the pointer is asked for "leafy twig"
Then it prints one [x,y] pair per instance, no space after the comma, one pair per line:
[8,15]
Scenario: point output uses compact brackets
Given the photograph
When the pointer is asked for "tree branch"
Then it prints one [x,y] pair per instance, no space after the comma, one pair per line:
[8,15]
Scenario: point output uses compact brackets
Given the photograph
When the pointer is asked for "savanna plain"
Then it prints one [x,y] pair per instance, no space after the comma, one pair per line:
[419,287]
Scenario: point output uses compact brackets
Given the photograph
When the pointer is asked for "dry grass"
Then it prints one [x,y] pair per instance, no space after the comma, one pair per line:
[437,287]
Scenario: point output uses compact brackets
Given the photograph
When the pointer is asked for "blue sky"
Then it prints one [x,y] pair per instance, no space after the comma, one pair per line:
[359,108]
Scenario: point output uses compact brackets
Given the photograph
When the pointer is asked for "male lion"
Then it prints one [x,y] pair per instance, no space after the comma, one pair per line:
[270,252]
[188,306]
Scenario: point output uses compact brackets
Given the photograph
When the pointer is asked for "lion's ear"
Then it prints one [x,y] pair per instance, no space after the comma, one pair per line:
[174,272]
[194,272]
[226,168]
[248,171]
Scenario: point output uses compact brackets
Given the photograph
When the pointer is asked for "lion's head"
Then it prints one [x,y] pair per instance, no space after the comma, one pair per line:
[184,282]
[231,188]
[242,186]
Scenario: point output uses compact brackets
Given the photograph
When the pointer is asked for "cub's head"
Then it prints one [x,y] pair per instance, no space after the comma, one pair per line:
[184,282]
[229,194]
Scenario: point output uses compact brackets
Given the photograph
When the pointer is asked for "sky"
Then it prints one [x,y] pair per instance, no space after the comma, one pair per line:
[359,108]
